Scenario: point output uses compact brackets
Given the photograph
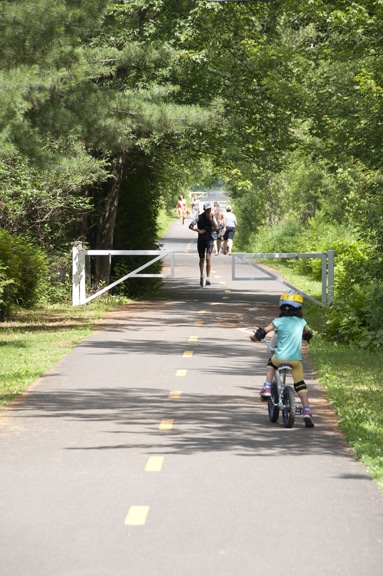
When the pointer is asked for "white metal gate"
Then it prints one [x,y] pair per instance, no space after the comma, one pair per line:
[79,269]
[327,271]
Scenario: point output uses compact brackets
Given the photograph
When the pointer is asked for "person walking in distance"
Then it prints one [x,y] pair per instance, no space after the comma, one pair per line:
[218,236]
[204,224]
[182,208]
[291,328]
[231,225]
[195,206]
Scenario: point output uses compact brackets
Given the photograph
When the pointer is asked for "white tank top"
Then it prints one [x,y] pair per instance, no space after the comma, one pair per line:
[230,220]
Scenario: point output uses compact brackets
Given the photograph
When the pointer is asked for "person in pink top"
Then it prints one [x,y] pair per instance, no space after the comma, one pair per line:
[182,208]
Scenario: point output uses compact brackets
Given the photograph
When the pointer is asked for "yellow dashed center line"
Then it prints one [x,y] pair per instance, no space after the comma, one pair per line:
[166,425]
[201,312]
[181,372]
[154,464]
[198,323]
[137,516]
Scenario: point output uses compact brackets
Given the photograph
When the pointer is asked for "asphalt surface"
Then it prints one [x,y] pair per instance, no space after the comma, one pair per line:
[146,451]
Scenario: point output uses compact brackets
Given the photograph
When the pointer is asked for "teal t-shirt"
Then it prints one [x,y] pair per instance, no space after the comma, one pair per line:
[290,330]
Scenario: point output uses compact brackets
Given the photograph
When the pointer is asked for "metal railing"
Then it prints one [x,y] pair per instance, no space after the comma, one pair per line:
[327,271]
[79,269]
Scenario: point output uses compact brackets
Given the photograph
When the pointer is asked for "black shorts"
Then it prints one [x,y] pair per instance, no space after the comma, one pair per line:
[229,234]
[204,247]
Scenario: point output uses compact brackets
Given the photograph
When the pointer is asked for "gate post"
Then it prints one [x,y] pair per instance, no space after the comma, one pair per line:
[324,278]
[331,276]
[78,274]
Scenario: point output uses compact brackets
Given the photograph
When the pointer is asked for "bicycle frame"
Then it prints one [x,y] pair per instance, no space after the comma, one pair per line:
[282,395]
[280,378]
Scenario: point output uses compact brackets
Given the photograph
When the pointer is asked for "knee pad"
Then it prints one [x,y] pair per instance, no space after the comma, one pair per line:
[300,386]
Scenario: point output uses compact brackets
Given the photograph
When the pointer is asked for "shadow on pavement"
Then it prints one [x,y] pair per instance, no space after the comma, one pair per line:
[205,423]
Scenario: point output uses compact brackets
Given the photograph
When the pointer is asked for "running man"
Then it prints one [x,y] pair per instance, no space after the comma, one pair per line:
[204,224]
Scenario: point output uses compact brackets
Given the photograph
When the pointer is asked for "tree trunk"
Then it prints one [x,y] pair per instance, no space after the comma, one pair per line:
[108,220]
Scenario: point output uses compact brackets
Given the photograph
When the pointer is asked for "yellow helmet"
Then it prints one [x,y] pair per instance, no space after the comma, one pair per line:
[291,298]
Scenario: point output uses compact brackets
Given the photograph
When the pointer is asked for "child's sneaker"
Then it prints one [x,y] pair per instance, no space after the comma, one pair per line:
[265,393]
[208,283]
[308,418]
[202,281]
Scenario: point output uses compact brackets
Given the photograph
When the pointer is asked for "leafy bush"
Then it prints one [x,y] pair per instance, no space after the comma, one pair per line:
[283,237]
[4,281]
[58,287]
[355,316]
[23,269]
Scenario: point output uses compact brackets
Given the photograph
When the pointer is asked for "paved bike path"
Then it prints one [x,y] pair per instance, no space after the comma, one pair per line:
[146,451]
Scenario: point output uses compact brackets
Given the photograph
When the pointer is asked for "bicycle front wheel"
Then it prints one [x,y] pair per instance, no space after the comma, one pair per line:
[288,412]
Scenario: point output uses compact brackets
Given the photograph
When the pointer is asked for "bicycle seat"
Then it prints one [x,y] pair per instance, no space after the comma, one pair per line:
[285,367]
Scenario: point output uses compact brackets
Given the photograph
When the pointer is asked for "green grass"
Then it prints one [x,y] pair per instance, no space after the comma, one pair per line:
[34,341]
[352,379]
[164,220]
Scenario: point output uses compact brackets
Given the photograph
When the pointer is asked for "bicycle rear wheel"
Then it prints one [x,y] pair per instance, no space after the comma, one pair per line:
[288,412]
[272,406]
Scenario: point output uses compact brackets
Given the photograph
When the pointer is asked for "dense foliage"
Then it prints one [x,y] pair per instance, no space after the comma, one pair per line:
[110,109]
[22,270]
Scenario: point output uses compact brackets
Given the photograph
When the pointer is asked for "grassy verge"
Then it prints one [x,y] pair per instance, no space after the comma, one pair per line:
[164,220]
[351,378]
[36,340]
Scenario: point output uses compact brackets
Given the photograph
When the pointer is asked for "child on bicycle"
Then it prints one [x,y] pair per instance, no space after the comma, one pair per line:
[291,327]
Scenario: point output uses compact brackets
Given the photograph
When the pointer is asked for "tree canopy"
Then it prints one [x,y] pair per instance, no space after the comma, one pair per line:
[107,102]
